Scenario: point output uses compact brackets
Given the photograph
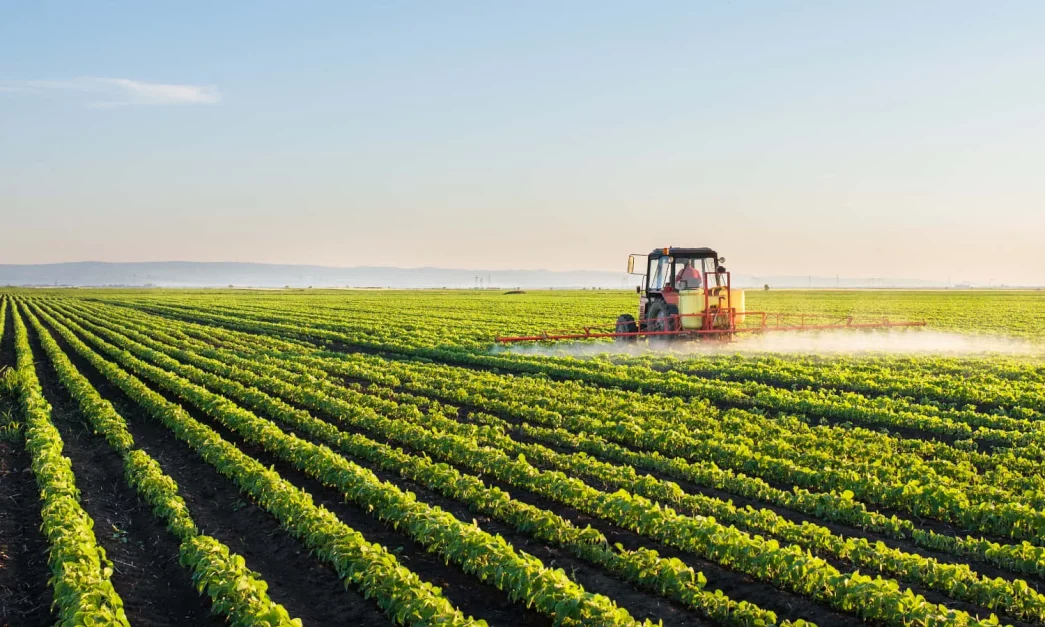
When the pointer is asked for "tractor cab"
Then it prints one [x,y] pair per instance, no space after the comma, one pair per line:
[682,289]
[681,269]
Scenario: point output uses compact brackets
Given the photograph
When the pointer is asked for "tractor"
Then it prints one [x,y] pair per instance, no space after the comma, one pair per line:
[688,293]
[685,290]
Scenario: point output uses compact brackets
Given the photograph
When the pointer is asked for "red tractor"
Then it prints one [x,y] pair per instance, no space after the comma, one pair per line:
[684,290]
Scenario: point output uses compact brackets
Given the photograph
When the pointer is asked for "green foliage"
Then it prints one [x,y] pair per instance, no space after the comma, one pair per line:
[406,597]
[234,591]
[80,572]
[404,382]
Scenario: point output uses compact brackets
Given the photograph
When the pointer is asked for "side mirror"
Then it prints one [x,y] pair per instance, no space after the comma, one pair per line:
[631,264]
[721,261]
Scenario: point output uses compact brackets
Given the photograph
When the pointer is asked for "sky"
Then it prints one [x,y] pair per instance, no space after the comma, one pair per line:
[866,139]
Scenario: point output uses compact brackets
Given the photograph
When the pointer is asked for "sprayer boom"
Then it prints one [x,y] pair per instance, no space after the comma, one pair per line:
[752,322]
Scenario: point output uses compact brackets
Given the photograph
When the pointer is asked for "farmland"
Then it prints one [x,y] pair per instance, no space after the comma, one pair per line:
[368,457]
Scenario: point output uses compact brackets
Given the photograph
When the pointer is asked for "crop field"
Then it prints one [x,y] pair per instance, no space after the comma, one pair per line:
[370,457]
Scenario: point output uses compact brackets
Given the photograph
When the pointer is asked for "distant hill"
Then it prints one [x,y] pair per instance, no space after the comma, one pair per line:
[223,274]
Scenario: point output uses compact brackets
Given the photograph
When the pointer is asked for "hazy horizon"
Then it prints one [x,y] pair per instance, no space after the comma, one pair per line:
[247,274]
[822,273]
[884,140]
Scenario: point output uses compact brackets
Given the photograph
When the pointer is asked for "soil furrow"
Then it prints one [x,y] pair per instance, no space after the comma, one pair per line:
[309,589]
[154,587]
[466,592]
[736,585]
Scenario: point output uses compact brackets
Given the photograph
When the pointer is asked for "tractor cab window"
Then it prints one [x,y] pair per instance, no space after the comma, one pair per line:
[660,273]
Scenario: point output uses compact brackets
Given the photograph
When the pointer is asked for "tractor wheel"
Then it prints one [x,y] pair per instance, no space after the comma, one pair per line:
[626,324]
[663,317]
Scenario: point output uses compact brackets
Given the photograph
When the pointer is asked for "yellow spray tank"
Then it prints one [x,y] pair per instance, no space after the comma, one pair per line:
[720,301]
[691,304]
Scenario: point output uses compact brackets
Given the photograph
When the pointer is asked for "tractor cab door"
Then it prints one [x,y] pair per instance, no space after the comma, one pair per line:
[660,274]
[659,283]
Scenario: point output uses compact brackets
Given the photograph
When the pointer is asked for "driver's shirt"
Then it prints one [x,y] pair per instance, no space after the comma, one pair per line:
[688,279]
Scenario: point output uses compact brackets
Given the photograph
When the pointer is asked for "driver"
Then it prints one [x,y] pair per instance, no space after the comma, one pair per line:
[688,278]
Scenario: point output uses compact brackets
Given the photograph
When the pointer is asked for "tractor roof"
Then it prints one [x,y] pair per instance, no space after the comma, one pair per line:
[692,253]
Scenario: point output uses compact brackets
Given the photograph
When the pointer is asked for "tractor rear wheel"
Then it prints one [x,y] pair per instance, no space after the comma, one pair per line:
[626,324]
[663,317]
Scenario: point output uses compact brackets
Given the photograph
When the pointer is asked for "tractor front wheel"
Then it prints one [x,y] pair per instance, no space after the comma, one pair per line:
[626,324]
[663,317]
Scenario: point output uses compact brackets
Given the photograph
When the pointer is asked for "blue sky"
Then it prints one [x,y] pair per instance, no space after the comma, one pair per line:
[884,139]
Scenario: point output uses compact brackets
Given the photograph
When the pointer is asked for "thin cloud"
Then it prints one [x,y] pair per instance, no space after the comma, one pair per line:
[120,92]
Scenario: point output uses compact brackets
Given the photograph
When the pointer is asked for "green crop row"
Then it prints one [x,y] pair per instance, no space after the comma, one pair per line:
[80,571]
[875,599]
[369,567]
[923,497]
[490,558]
[979,391]
[234,590]
[959,581]
[10,428]
[979,507]
[762,432]
[643,567]
[1021,558]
